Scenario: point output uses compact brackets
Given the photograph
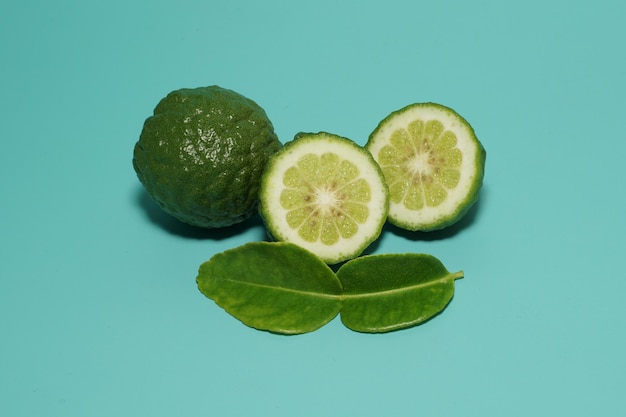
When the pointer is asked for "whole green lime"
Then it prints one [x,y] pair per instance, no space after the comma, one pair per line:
[201,155]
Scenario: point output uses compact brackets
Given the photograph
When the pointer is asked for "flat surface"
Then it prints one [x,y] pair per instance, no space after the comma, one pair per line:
[99,310]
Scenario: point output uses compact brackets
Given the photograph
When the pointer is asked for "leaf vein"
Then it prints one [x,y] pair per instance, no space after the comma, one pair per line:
[285,289]
[450,278]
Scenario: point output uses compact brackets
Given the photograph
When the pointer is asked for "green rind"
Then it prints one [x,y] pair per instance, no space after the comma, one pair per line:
[273,286]
[472,195]
[266,212]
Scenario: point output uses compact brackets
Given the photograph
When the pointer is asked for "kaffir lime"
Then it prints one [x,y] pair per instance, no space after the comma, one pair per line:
[433,163]
[325,193]
[201,155]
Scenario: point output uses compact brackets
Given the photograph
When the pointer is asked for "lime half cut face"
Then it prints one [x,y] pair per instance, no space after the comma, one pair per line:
[432,162]
[326,194]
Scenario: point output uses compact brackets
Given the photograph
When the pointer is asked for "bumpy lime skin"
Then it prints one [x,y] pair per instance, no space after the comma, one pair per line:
[201,155]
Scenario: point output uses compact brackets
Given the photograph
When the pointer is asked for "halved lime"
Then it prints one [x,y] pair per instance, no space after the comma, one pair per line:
[433,164]
[326,194]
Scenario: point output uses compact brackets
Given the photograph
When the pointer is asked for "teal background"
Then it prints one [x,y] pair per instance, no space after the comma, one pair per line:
[99,310]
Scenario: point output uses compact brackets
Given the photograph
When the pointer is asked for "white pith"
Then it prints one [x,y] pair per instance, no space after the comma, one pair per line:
[466,143]
[419,164]
[276,215]
[326,199]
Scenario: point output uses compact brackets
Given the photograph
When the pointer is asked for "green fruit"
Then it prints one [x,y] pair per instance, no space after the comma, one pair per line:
[326,194]
[201,155]
[433,164]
